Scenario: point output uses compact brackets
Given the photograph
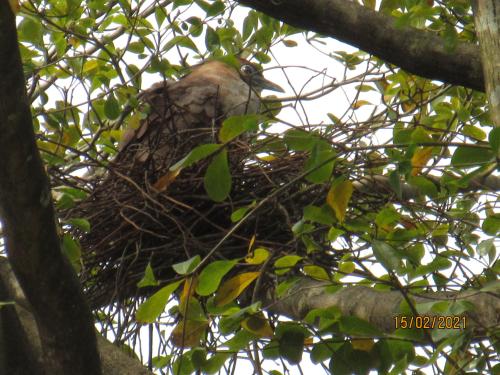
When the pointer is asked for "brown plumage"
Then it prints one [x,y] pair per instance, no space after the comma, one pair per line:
[135,216]
[195,105]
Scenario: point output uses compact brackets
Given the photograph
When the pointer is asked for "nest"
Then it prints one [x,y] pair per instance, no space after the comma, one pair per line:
[133,223]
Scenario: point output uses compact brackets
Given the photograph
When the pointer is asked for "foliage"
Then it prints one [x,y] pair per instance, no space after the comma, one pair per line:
[85,65]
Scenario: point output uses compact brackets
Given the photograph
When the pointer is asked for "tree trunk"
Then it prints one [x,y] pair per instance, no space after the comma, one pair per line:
[20,347]
[487,20]
[49,282]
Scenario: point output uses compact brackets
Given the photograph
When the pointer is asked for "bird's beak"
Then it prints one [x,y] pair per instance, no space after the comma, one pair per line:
[264,84]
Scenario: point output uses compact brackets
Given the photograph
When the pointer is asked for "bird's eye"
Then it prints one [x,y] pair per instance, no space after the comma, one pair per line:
[247,69]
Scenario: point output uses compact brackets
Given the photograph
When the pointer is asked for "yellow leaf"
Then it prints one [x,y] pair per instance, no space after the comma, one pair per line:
[164,181]
[364,345]
[408,106]
[308,341]
[338,198]
[14,6]
[188,333]
[360,103]
[268,158]
[233,287]
[420,159]
[258,325]
[260,255]
[74,42]
[187,293]
[250,244]
[90,65]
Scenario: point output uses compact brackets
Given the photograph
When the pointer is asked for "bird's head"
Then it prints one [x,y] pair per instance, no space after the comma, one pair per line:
[229,68]
[253,76]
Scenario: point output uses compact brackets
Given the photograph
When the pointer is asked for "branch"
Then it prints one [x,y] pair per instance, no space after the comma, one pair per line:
[381,185]
[487,20]
[23,352]
[417,51]
[380,307]
[45,275]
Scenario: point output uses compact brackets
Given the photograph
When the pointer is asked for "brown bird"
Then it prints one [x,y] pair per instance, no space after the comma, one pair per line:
[194,106]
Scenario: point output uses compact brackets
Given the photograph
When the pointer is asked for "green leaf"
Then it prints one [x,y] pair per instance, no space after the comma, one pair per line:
[485,247]
[183,364]
[316,272]
[196,154]
[112,108]
[80,223]
[212,41]
[236,125]
[300,140]
[198,357]
[151,309]
[355,326]
[240,340]
[136,47]
[217,179]
[386,255]
[284,263]
[321,215]
[216,8]
[187,266]
[470,156]
[238,214]
[160,15]
[322,351]
[291,344]
[182,41]
[491,225]
[388,217]
[30,30]
[249,25]
[474,132]
[320,163]
[494,139]
[395,183]
[214,363]
[334,233]
[148,279]
[450,37]
[212,275]
[71,248]
[424,185]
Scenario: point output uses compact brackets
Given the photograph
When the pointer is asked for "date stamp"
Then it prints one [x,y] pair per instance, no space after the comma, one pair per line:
[430,321]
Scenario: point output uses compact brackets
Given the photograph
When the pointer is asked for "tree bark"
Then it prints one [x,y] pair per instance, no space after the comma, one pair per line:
[33,246]
[20,346]
[381,307]
[417,51]
[381,185]
[487,20]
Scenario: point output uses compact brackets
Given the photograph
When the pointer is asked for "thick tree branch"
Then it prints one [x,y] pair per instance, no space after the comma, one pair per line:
[487,20]
[417,51]
[380,307]
[23,353]
[381,185]
[48,281]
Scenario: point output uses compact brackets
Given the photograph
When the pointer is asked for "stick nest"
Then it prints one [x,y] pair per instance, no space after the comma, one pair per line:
[139,214]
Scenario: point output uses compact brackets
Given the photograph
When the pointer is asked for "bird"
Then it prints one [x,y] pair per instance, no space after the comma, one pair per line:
[194,105]
[131,206]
